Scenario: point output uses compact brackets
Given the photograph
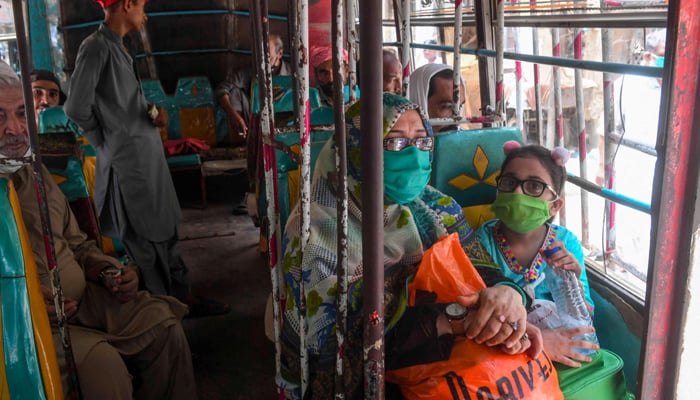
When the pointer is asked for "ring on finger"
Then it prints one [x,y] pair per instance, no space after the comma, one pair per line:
[501,319]
[514,324]
[524,337]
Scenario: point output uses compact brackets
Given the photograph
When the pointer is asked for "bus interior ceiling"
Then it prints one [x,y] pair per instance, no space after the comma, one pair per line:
[216,31]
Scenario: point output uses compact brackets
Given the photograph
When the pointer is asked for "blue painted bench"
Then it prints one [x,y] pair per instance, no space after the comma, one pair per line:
[29,369]
[466,164]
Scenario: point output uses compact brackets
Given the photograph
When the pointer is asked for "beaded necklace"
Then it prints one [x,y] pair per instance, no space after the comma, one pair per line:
[533,271]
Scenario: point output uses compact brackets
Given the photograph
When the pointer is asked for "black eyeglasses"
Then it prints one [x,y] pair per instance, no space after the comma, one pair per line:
[400,143]
[529,187]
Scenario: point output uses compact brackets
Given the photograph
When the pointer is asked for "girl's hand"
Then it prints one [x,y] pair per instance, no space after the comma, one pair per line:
[561,346]
[562,259]
[531,342]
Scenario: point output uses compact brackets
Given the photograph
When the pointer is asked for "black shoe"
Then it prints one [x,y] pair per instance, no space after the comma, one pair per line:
[240,210]
[202,307]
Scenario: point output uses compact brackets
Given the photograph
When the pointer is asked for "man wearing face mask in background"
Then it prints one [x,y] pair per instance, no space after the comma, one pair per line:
[431,88]
[321,59]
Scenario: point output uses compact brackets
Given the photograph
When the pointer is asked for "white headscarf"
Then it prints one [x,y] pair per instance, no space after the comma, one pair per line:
[419,83]
[8,79]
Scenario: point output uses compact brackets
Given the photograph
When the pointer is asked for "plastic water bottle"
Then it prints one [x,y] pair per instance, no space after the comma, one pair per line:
[568,297]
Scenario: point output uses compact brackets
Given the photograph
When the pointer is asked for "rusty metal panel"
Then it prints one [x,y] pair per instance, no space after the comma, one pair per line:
[674,212]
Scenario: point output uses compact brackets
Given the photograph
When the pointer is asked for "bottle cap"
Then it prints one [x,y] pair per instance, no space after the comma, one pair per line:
[551,252]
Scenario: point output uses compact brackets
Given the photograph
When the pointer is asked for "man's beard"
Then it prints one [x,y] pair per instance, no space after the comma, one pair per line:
[276,69]
[10,140]
[327,89]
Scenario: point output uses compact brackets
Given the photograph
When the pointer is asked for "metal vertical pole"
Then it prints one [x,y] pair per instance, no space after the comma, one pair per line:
[406,45]
[519,88]
[484,35]
[457,59]
[500,29]
[676,189]
[351,40]
[341,194]
[372,200]
[19,11]
[538,88]
[609,121]
[258,13]
[582,150]
[559,117]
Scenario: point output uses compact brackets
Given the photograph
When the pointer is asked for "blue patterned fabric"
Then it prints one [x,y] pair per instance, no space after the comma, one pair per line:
[571,242]
[408,231]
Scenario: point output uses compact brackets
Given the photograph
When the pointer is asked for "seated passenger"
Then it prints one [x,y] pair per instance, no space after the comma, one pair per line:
[416,215]
[431,88]
[46,89]
[392,72]
[232,94]
[321,59]
[531,180]
[126,343]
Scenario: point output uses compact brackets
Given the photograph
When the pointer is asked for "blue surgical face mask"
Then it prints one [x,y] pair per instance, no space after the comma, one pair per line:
[659,61]
[406,173]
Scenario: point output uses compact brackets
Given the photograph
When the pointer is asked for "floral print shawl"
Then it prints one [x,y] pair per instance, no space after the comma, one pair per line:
[408,231]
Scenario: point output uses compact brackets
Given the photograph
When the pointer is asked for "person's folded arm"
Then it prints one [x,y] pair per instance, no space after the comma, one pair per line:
[80,104]
[415,340]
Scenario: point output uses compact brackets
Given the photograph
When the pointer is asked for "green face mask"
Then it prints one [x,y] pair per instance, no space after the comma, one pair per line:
[520,212]
[406,173]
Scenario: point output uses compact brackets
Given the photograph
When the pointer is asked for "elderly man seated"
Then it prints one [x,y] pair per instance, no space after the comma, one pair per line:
[126,343]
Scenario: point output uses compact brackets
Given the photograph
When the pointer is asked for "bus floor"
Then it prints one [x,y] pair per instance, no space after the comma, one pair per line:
[232,357]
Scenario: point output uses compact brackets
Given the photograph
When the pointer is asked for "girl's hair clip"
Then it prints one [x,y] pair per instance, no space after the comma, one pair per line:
[560,155]
[510,146]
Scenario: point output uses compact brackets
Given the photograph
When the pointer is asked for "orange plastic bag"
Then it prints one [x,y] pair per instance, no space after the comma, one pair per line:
[473,371]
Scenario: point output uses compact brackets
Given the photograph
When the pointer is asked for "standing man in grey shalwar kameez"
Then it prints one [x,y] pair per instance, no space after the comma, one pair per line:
[134,193]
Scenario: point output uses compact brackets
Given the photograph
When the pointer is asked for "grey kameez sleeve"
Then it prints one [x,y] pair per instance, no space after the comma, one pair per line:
[80,105]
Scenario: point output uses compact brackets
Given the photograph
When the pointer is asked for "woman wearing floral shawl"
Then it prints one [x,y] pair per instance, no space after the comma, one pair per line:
[415,216]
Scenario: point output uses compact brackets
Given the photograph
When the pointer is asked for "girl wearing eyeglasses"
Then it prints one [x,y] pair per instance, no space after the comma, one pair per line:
[525,243]
[415,216]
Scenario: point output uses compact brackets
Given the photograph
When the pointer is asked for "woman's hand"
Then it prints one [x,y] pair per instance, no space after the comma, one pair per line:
[563,259]
[498,318]
[70,306]
[561,346]
[128,285]
[531,342]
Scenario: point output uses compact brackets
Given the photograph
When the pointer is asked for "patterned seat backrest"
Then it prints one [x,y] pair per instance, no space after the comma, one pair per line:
[288,171]
[29,369]
[68,169]
[466,164]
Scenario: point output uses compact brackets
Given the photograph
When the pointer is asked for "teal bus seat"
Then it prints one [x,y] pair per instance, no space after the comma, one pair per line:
[466,164]
[63,157]
[30,369]
[283,97]
[288,172]
[618,333]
